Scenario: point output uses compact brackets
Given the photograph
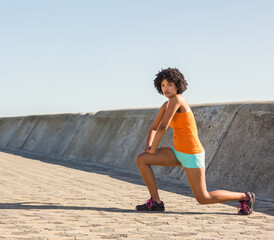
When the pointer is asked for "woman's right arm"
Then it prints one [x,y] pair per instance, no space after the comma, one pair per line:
[153,129]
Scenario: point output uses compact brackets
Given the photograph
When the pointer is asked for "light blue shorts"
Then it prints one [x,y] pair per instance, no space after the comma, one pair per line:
[190,160]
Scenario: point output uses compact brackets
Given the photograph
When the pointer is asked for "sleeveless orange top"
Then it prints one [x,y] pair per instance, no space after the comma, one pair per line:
[185,138]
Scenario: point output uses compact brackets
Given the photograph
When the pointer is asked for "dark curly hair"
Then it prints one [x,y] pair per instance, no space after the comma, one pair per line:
[171,75]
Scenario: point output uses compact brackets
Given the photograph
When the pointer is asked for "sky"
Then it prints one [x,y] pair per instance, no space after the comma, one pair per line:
[64,56]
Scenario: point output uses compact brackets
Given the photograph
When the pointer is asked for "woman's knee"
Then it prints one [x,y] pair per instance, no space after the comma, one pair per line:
[203,199]
[140,159]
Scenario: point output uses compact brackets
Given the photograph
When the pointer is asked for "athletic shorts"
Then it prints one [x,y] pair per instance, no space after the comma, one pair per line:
[190,160]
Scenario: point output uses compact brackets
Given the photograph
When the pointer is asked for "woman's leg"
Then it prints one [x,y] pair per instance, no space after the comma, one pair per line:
[164,157]
[197,182]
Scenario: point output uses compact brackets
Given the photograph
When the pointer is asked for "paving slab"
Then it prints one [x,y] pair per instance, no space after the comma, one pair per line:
[46,198]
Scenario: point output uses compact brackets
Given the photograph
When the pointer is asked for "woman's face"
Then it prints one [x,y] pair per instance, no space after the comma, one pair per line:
[169,89]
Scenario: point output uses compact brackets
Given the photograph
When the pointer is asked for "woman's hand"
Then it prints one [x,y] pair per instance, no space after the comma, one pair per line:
[153,152]
[147,149]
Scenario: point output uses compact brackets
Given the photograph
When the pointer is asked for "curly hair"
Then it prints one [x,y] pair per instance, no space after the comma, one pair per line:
[171,75]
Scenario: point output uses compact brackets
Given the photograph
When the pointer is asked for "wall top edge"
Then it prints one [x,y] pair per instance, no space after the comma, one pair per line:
[153,109]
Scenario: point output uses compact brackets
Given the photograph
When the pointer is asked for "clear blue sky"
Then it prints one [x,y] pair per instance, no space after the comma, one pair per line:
[59,56]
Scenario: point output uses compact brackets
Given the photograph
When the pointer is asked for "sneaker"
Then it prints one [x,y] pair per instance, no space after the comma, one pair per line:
[151,205]
[246,206]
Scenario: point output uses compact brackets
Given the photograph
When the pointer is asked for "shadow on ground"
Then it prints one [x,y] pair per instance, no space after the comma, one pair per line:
[50,206]
[262,205]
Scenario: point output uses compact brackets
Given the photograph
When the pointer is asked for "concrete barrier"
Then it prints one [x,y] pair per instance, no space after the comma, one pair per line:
[238,139]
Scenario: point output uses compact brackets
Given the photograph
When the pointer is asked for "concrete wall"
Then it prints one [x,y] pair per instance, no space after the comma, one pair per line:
[238,139]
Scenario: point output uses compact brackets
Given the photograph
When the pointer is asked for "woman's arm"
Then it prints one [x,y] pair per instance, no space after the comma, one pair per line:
[155,125]
[172,107]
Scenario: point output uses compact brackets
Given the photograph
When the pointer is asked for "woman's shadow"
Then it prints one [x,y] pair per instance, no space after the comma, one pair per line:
[50,206]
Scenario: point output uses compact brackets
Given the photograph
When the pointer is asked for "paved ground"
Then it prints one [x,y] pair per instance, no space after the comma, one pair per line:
[42,198]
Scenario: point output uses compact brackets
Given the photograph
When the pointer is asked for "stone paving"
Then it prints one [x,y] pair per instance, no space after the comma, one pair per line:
[46,198]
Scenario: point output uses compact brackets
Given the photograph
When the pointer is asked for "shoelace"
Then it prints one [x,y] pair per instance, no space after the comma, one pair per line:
[243,206]
[149,203]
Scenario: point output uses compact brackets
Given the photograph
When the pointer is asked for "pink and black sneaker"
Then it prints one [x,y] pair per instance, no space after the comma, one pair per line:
[151,205]
[246,206]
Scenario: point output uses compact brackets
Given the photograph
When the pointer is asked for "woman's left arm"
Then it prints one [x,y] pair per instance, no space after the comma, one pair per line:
[173,105]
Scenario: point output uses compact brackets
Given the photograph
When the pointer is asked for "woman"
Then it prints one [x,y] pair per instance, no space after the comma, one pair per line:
[187,150]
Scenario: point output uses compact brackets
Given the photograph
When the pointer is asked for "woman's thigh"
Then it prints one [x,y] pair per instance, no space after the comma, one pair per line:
[197,181]
[164,157]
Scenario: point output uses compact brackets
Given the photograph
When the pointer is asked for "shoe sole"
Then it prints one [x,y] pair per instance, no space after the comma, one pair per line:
[252,197]
[252,200]
[149,210]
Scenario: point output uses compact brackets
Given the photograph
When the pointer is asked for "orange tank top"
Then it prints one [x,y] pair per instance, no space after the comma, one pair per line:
[185,138]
